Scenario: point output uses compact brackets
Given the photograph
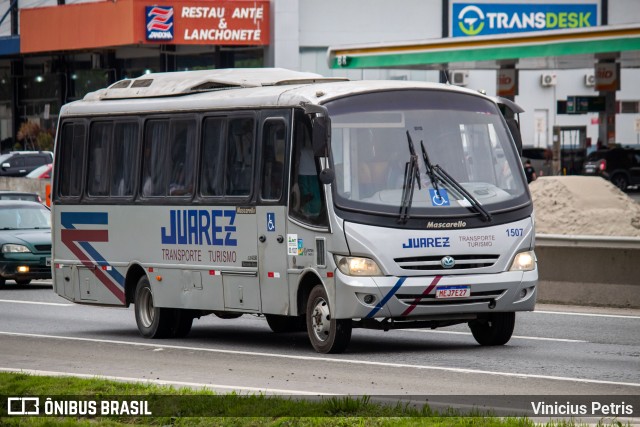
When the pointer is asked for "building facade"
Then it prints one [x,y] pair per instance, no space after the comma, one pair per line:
[55,51]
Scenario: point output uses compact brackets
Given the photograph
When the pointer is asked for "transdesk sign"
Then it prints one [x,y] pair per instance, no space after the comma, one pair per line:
[479,18]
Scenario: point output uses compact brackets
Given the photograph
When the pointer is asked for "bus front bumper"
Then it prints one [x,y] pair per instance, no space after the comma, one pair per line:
[415,296]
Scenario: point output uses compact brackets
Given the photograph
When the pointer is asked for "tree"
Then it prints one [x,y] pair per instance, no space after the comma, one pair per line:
[33,137]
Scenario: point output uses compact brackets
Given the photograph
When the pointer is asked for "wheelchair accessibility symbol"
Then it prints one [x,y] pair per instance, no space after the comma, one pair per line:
[271,221]
[441,200]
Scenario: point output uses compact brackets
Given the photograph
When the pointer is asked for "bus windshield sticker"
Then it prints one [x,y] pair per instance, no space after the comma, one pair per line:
[439,198]
[292,244]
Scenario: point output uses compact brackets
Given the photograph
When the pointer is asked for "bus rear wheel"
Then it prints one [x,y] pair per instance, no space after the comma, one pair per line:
[494,330]
[283,324]
[327,335]
[156,322]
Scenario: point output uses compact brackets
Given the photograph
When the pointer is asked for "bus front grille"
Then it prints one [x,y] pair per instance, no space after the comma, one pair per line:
[462,262]
[424,300]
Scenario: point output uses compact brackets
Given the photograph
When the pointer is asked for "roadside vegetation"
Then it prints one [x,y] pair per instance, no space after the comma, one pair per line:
[189,407]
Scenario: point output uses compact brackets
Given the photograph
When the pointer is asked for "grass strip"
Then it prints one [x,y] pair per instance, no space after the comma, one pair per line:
[186,407]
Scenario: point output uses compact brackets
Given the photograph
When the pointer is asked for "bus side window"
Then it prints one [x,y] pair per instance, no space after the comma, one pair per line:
[154,176]
[72,159]
[240,157]
[124,159]
[100,139]
[182,159]
[273,146]
[307,195]
[212,173]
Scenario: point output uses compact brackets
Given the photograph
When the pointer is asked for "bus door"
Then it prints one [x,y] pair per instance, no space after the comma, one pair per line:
[236,225]
[271,213]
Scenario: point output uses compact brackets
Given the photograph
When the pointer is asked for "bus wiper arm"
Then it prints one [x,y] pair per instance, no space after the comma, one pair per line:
[411,176]
[430,172]
[435,173]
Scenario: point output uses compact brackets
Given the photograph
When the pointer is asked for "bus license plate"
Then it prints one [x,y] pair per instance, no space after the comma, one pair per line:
[459,291]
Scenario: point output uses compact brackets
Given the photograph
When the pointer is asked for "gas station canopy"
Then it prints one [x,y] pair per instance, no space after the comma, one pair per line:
[551,49]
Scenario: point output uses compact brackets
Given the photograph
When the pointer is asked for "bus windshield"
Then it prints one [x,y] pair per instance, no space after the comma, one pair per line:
[374,136]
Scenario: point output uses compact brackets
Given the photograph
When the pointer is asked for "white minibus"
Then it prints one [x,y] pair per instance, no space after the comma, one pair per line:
[321,204]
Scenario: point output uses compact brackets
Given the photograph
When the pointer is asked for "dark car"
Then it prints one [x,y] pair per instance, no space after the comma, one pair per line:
[20,163]
[25,241]
[20,195]
[619,165]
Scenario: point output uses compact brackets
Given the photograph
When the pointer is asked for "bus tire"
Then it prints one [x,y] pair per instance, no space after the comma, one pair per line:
[152,321]
[284,324]
[183,320]
[495,330]
[327,335]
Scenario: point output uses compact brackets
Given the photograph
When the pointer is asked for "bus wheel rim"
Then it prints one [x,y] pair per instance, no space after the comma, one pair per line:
[320,320]
[146,308]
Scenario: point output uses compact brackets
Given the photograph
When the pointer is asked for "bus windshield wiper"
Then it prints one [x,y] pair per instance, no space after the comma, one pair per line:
[411,176]
[436,173]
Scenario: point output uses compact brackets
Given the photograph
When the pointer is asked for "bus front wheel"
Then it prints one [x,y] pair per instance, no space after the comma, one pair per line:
[495,329]
[156,322]
[327,335]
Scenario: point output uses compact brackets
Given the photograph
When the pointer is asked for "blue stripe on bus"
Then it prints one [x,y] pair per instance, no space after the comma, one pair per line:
[99,259]
[386,297]
[68,219]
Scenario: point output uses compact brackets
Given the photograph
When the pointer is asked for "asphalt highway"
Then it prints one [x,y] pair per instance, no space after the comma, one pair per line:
[556,350]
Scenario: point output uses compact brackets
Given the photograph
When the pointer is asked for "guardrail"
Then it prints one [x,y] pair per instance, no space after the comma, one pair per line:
[589,270]
[561,240]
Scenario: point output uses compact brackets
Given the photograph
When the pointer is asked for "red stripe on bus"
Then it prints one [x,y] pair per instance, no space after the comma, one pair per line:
[426,292]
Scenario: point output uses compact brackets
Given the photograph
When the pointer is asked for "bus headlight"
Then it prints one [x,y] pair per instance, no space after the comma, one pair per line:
[524,261]
[11,248]
[357,266]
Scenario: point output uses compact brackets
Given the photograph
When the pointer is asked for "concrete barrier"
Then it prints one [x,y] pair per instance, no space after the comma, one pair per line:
[589,270]
[25,184]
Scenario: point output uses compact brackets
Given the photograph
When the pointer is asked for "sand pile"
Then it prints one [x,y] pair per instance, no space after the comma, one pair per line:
[583,205]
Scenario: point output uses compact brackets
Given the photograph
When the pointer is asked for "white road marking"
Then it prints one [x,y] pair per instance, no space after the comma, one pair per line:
[429,331]
[566,313]
[165,382]
[12,301]
[570,313]
[329,359]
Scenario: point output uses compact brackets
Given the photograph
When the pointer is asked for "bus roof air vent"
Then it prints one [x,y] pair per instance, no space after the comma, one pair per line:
[202,87]
[142,83]
[122,84]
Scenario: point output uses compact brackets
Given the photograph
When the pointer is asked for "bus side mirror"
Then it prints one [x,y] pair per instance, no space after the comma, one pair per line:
[327,176]
[515,132]
[320,135]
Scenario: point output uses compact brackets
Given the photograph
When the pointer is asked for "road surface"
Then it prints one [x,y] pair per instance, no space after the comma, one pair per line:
[555,350]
